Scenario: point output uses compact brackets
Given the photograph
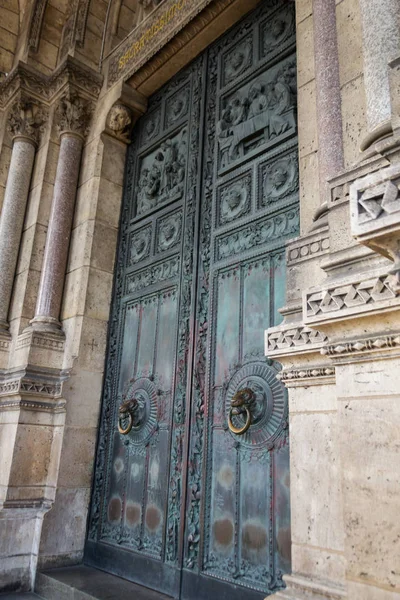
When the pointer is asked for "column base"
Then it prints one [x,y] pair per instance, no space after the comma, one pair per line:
[46,324]
[20,529]
[5,341]
[302,588]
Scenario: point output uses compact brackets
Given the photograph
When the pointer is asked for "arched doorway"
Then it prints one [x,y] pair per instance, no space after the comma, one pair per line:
[191,491]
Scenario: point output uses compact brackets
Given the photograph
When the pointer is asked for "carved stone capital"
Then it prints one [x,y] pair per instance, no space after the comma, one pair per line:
[73,114]
[119,122]
[27,118]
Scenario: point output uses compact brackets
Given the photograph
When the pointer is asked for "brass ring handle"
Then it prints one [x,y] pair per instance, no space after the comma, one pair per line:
[239,430]
[129,426]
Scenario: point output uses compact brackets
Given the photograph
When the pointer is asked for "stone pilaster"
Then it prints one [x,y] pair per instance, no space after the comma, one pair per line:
[329,114]
[73,115]
[25,123]
[381,44]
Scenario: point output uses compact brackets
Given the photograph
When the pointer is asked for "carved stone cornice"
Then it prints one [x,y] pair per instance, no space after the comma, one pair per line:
[27,118]
[35,388]
[73,114]
[293,339]
[24,79]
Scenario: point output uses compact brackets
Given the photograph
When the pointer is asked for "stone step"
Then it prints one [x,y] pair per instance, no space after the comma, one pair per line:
[19,596]
[85,583]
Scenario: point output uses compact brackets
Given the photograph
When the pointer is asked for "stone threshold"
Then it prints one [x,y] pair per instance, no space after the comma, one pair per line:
[86,583]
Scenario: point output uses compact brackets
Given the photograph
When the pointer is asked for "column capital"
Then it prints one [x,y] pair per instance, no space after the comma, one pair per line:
[73,114]
[27,119]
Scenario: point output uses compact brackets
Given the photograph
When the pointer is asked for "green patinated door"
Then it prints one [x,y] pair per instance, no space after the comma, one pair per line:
[191,489]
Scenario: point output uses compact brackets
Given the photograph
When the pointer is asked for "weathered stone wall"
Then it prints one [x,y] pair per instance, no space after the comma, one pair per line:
[338,343]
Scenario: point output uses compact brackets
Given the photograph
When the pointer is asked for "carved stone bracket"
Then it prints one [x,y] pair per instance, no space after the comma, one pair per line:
[375,216]
[291,339]
[73,114]
[27,119]
[119,122]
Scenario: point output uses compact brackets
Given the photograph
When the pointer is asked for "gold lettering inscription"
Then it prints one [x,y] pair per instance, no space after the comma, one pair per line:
[148,35]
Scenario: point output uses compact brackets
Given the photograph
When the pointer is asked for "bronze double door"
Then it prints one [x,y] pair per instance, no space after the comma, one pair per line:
[191,487]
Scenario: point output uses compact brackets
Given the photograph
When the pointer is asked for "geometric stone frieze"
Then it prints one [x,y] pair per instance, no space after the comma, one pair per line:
[375,216]
[375,202]
[349,299]
[293,339]
[307,247]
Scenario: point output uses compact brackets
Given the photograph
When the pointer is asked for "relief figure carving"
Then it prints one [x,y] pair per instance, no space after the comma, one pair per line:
[234,200]
[162,176]
[169,232]
[254,116]
[238,60]
[280,179]
[277,31]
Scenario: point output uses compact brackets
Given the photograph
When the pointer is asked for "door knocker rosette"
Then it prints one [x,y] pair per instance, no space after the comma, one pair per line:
[138,413]
[256,405]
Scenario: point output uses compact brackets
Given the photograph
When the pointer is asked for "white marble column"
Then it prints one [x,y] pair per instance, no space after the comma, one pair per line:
[25,123]
[73,116]
[381,43]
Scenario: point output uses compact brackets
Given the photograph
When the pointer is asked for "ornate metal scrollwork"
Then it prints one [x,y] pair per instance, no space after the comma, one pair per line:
[241,404]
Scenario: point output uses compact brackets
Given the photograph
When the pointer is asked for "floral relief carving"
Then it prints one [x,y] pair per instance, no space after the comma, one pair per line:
[73,114]
[27,118]
[164,271]
[257,113]
[259,233]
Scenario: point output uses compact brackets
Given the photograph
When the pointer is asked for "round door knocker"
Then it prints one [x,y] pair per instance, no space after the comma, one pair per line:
[241,405]
[128,411]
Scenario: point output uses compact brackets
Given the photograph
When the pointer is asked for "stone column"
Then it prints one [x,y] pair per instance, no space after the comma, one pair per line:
[329,110]
[381,44]
[25,123]
[73,114]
